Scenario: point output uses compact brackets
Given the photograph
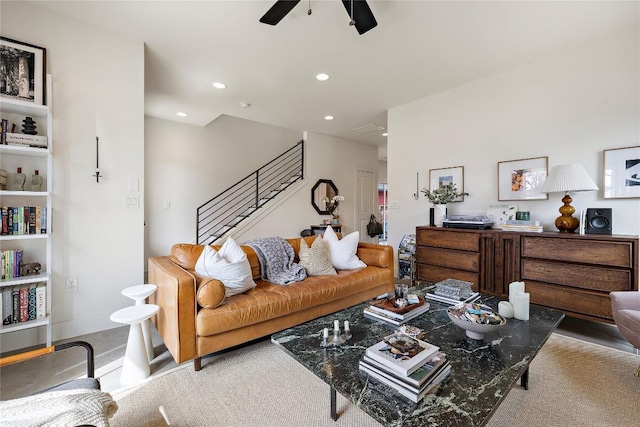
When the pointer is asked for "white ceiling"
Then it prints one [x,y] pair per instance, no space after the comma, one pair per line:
[417,49]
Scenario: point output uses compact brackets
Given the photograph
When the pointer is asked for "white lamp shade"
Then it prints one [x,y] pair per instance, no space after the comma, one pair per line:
[566,178]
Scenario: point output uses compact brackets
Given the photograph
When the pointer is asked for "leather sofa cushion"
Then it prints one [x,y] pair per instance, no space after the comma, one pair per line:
[210,293]
[267,300]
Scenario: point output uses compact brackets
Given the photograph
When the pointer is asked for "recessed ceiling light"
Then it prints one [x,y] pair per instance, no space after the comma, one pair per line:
[181,114]
[322,77]
[219,85]
[328,117]
[385,134]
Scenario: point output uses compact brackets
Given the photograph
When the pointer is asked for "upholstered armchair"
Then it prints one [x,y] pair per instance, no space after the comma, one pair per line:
[626,313]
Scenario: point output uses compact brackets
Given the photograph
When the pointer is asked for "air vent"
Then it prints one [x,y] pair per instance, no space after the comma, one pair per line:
[368,128]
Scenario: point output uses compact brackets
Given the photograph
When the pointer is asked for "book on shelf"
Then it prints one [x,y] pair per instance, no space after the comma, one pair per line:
[24,303]
[5,128]
[414,380]
[410,393]
[32,301]
[7,306]
[41,300]
[39,141]
[15,304]
[381,315]
[402,353]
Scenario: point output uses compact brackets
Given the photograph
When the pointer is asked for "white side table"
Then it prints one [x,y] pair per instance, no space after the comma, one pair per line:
[139,294]
[135,367]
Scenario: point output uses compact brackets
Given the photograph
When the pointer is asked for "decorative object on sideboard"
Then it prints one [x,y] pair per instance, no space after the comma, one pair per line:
[331,206]
[621,173]
[97,175]
[598,221]
[568,178]
[521,179]
[24,71]
[440,196]
[29,126]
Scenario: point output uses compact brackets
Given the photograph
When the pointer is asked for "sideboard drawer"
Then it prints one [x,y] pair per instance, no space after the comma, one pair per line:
[611,253]
[469,261]
[449,239]
[590,304]
[433,273]
[581,276]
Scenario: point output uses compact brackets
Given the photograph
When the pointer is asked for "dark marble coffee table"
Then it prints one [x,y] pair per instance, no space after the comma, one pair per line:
[482,372]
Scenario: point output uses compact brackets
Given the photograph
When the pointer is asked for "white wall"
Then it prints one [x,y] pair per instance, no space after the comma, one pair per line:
[569,107]
[187,165]
[98,90]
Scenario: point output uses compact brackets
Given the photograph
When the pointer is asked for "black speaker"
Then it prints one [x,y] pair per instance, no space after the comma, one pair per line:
[598,221]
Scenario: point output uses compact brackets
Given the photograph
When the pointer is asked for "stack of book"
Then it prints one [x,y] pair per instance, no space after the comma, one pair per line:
[386,309]
[23,303]
[410,366]
[453,291]
[522,225]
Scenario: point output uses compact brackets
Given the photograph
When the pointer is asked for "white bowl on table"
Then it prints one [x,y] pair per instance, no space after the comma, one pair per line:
[474,330]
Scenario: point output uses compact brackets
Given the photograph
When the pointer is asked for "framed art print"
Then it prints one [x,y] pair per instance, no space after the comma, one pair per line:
[445,176]
[22,71]
[621,173]
[521,179]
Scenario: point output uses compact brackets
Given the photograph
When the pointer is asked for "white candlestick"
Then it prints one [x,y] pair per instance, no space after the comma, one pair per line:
[336,327]
[346,326]
[505,309]
[521,306]
[515,287]
[325,333]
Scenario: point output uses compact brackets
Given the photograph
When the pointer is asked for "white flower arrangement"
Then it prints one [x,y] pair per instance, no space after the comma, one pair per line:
[331,204]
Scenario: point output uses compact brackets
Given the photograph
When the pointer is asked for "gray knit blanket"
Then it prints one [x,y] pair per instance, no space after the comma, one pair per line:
[276,260]
[61,408]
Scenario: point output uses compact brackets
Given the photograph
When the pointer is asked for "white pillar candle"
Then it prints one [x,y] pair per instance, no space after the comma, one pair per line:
[505,309]
[325,333]
[336,327]
[515,287]
[346,326]
[521,306]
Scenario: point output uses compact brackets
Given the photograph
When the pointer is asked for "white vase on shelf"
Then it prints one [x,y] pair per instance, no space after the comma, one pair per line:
[439,211]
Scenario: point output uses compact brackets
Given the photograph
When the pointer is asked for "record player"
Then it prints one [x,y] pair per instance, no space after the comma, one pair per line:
[478,222]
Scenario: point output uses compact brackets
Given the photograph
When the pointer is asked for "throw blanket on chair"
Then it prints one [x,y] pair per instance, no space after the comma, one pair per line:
[276,260]
[59,408]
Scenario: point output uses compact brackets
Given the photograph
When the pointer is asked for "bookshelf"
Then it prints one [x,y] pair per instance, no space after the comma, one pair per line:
[36,247]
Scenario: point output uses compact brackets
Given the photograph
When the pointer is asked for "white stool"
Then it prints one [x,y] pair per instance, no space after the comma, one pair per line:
[135,367]
[139,294]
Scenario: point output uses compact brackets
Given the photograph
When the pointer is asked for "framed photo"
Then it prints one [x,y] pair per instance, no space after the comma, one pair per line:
[621,173]
[521,179]
[22,71]
[444,176]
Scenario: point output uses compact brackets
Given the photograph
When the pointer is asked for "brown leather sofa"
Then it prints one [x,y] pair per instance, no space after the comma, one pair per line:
[192,326]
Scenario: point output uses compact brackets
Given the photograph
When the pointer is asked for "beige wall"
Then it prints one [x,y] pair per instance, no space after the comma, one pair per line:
[569,107]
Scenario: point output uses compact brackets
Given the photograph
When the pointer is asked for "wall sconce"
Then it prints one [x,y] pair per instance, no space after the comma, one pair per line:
[97,174]
[415,195]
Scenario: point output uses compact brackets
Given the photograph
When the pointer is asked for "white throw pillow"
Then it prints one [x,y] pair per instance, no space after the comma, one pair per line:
[315,259]
[230,265]
[343,252]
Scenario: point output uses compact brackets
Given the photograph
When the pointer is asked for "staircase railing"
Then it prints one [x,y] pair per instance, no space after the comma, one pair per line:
[228,209]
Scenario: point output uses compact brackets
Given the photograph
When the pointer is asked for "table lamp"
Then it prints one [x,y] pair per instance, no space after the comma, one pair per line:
[567,178]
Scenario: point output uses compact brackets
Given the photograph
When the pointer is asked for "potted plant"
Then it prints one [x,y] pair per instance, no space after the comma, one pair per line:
[440,197]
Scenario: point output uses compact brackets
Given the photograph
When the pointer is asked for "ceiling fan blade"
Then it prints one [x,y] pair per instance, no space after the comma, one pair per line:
[278,11]
[361,14]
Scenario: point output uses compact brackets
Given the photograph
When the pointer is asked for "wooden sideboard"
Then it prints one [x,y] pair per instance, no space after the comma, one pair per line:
[569,272]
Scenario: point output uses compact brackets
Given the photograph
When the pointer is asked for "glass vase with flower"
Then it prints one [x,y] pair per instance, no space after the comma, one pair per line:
[331,206]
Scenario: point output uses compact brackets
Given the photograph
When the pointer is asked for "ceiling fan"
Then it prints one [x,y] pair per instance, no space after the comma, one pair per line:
[359,12]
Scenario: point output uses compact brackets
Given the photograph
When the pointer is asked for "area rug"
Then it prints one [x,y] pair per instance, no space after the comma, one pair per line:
[571,383]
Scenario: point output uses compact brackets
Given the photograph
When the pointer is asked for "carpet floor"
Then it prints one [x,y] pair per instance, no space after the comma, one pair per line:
[571,383]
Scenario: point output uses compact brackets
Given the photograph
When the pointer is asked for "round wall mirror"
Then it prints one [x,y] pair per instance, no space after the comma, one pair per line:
[323,188]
